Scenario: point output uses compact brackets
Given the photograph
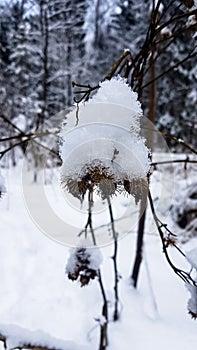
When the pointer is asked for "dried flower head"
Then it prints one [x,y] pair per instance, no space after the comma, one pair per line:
[170,241]
[83,264]
[97,176]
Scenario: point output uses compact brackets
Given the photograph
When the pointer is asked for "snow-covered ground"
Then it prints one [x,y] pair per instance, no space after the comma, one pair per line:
[35,293]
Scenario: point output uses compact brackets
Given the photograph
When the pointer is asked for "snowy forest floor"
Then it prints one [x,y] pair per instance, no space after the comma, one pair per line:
[36,294]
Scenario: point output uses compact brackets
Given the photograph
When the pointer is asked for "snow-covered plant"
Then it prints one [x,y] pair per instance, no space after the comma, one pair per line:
[103,152]
[83,264]
[102,148]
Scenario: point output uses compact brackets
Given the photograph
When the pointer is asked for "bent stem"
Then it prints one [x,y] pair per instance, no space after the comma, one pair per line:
[114,257]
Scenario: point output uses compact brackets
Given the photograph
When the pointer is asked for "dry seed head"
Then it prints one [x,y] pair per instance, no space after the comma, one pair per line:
[97,176]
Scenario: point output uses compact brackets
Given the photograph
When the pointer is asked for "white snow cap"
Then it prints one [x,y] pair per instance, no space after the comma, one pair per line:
[118,91]
[107,129]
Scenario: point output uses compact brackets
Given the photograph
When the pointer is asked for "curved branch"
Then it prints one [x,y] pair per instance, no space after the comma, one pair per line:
[190,55]
[185,276]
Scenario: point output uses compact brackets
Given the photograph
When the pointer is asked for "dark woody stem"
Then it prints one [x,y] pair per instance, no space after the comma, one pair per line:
[114,257]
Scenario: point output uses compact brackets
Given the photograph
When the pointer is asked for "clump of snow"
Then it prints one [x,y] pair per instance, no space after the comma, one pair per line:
[2,186]
[83,263]
[118,91]
[93,255]
[166,32]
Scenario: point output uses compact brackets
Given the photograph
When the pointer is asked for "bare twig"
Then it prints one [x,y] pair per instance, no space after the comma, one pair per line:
[23,142]
[86,92]
[174,19]
[174,138]
[190,55]
[186,160]
[114,257]
[24,138]
[126,55]
[185,276]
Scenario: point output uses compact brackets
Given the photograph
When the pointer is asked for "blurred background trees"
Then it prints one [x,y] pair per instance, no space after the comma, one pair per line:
[47,44]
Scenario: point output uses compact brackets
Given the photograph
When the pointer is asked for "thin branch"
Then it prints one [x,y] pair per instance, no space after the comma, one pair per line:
[172,137]
[167,8]
[2,153]
[187,160]
[12,124]
[32,347]
[180,30]
[114,257]
[31,136]
[103,325]
[180,140]
[185,276]
[176,18]
[190,55]
[87,90]
[126,55]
